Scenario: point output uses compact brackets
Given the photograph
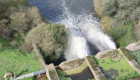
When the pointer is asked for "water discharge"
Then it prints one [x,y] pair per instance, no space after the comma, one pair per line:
[84,28]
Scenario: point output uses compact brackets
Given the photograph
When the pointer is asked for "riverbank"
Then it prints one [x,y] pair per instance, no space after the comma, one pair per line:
[123,30]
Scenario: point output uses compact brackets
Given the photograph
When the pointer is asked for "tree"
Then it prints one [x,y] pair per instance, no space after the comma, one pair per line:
[51,39]
[4,4]
[24,19]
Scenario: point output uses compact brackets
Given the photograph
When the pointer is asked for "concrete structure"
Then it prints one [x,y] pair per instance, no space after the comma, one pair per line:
[133,46]
[102,54]
[132,62]
[94,68]
[51,72]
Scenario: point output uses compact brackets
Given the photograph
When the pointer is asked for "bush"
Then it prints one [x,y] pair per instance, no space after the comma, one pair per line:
[129,36]
[117,31]
[15,3]
[137,31]
[135,16]
[110,8]
[4,4]
[106,23]
[128,4]
[19,22]
[125,15]
[122,34]
[51,39]
[2,26]
[24,18]
[121,9]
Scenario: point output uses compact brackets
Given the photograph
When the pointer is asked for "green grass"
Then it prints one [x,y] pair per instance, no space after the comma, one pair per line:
[3,41]
[123,34]
[127,54]
[121,66]
[12,60]
[129,36]
[136,55]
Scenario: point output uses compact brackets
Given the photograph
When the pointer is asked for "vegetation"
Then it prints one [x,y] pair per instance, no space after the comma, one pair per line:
[12,60]
[17,18]
[19,21]
[95,67]
[20,26]
[120,19]
[61,75]
[127,54]
[51,39]
[121,69]
[136,55]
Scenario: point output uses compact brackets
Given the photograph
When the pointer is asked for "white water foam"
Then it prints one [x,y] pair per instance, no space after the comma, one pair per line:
[83,28]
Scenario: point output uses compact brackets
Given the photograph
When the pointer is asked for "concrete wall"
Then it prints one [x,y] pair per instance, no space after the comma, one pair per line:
[130,60]
[94,68]
[105,54]
[52,72]
[71,64]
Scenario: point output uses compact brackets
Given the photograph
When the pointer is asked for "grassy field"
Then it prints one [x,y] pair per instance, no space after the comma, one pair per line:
[12,60]
[117,68]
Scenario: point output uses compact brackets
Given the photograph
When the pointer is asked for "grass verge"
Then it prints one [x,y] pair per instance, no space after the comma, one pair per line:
[12,60]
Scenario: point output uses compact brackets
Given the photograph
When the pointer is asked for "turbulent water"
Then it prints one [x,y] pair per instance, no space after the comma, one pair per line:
[83,27]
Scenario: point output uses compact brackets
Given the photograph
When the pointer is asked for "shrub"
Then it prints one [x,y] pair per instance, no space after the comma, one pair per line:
[19,2]
[34,14]
[135,16]
[51,39]
[20,22]
[4,4]
[126,7]
[125,15]
[128,4]
[106,23]
[137,31]
[2,26]
[24,19]
[122,33]
[6,34]
[110,8]
[117,31]
[99,5]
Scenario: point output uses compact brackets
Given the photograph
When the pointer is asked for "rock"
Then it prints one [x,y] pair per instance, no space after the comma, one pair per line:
[133,46]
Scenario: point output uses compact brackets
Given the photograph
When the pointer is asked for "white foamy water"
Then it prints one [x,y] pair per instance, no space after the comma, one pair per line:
[83,28]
